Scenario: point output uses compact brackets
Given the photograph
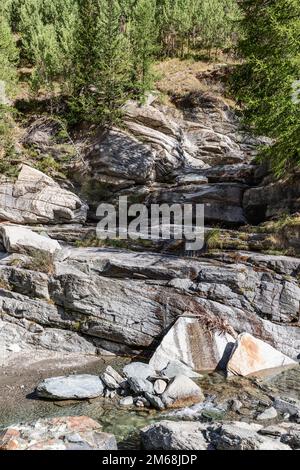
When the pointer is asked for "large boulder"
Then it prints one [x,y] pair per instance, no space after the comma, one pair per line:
[251,355]
[36,198]
[191,342]
[16,239]
[71,387]
[62,433]
[182,391]
[170,435]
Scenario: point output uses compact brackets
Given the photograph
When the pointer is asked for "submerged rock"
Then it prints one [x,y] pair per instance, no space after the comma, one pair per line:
[182,391]
[63,433]
[71,387]
[251,355]
[126,401]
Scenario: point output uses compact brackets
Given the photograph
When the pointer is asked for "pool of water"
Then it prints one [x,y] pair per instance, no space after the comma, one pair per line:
[125,422]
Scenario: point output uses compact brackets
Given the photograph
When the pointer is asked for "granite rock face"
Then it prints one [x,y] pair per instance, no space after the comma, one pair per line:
[125,302]
[36,198]
[63,433]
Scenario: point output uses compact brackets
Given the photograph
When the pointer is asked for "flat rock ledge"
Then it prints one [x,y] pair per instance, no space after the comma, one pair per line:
[63,433]
[71,387]
[236,435]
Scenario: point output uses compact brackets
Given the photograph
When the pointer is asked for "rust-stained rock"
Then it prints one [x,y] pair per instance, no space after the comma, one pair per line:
[192,343]
[63,433]
[251,355]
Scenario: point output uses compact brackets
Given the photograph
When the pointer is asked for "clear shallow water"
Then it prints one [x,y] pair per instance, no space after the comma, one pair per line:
[125,422]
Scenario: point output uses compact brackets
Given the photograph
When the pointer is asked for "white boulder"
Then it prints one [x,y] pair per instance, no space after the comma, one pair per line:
[17,239]
[251,355]
[193,345]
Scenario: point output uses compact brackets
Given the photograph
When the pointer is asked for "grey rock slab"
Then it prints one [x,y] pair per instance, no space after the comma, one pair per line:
[112,378]
[237,436]
[174,368]
[288,433]
[120,155]
[272,198]
[70,387]
[287,405]
[109,381]
[139,370]
[155,401]
[139,385]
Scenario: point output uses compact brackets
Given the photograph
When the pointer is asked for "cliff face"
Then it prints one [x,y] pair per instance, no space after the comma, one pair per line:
[88,298]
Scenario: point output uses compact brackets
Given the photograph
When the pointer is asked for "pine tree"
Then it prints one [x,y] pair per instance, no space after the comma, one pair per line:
[8,79]
[143,38]
[271,47]
[102,62]
[8,56]
[47,28]
[115,61]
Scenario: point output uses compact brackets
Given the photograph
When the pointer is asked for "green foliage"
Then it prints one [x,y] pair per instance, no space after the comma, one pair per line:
[98,53]
[198,24]
[8,56]
[143,39]
[47,29]
[102,61]
[271,47]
